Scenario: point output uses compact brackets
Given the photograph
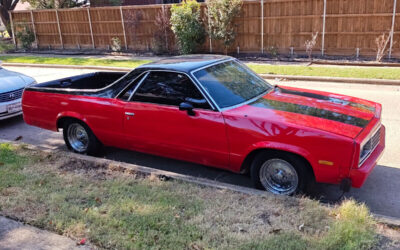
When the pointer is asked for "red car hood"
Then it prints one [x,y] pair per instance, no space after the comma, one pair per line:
[339,114]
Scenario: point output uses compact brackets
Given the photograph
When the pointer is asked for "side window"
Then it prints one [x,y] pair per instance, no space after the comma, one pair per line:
[127,92]
[169,88]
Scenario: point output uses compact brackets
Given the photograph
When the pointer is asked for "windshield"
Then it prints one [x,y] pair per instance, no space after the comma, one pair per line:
[231,83]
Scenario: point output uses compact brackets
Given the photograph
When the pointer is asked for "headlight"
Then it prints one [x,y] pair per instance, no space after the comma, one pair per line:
[365,151]
[369,146]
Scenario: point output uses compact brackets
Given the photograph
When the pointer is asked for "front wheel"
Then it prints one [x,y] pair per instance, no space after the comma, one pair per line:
[79,138]
[279,173]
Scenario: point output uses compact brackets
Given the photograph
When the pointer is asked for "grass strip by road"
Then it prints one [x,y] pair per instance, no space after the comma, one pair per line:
[80,61]
[388,73]
[120,209]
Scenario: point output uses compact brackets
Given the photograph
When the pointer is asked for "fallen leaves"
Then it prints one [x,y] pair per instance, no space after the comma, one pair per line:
[18,138]
[275,231]
[81,242]
[98,200]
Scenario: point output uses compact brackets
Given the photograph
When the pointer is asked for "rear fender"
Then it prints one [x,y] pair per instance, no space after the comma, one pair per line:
[71,114]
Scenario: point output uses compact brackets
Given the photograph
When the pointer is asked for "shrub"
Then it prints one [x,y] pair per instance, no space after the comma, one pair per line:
[381,43]
[353,229]
[163,31]
[187,26]
[221,15]
[309,44]
[115,44]
[273,51]
[133,19]
[26,37]
[5,46]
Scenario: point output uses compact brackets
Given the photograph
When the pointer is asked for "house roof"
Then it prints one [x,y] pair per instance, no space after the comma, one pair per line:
[185,63]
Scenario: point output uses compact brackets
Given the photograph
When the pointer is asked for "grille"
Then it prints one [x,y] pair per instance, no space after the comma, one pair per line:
[370,146]
[11,96]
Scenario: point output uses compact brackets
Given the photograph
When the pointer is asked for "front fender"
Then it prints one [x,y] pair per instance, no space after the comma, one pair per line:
[283,147]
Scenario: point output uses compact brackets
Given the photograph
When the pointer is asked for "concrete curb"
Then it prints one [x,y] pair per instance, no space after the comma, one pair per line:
[265,76]
[360,64]
[390,221]
[16,234]
[147,170]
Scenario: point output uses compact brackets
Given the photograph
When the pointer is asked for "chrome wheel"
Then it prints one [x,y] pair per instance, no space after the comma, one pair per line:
[78,138]
[279,177]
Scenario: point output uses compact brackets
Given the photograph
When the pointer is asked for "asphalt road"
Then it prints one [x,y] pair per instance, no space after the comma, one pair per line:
[380,192]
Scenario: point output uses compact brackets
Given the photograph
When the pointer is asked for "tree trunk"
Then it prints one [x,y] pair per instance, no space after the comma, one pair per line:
[5,18]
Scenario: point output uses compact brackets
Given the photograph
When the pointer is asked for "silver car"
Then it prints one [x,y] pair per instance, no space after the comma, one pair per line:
[12,85]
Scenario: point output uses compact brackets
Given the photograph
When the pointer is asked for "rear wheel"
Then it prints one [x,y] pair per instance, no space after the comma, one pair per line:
[79,138]
[279,173]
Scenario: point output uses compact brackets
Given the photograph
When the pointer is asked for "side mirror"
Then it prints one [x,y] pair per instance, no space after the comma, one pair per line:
[185,106]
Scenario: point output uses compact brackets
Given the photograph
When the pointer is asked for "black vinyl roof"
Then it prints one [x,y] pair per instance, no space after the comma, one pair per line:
[184,63]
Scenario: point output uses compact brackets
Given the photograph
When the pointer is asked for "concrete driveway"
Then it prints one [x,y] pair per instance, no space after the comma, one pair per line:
[380,192]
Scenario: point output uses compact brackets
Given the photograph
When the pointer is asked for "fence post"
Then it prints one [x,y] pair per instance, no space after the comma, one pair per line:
[209,29]
[90,26]
[392,30]
[34,30]
[123,27]
[59,30]
[262,26]
[12,29]
[165,30]
[323,30]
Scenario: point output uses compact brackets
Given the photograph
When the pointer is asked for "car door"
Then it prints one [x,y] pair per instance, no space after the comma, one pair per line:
[155,124]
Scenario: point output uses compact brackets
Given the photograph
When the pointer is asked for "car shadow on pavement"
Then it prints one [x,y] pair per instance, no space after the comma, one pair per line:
[176,166]
[11,122]
[15,129]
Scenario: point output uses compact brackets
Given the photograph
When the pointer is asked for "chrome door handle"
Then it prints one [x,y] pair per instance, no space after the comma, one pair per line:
[129,113]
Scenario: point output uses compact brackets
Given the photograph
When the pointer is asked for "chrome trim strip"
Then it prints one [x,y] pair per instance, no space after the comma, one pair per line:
[202,87]
[3,117]
[138,85]
[128,85]
[212,64]
[85,90]
[215,105]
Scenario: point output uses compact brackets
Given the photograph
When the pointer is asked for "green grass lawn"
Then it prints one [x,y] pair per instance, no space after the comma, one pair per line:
[342,71]
[118,209]
[73,61]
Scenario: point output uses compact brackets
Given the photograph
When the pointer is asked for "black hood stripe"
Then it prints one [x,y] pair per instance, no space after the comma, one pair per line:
[327,98]
[311,111]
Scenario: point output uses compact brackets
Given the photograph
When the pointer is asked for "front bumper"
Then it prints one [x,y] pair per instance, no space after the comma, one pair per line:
[359,175]
[4,112]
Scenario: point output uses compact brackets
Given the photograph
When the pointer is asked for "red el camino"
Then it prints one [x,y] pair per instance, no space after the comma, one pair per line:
[215,111]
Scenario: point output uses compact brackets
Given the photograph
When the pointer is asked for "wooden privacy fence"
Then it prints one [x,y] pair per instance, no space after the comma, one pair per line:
[345,27]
